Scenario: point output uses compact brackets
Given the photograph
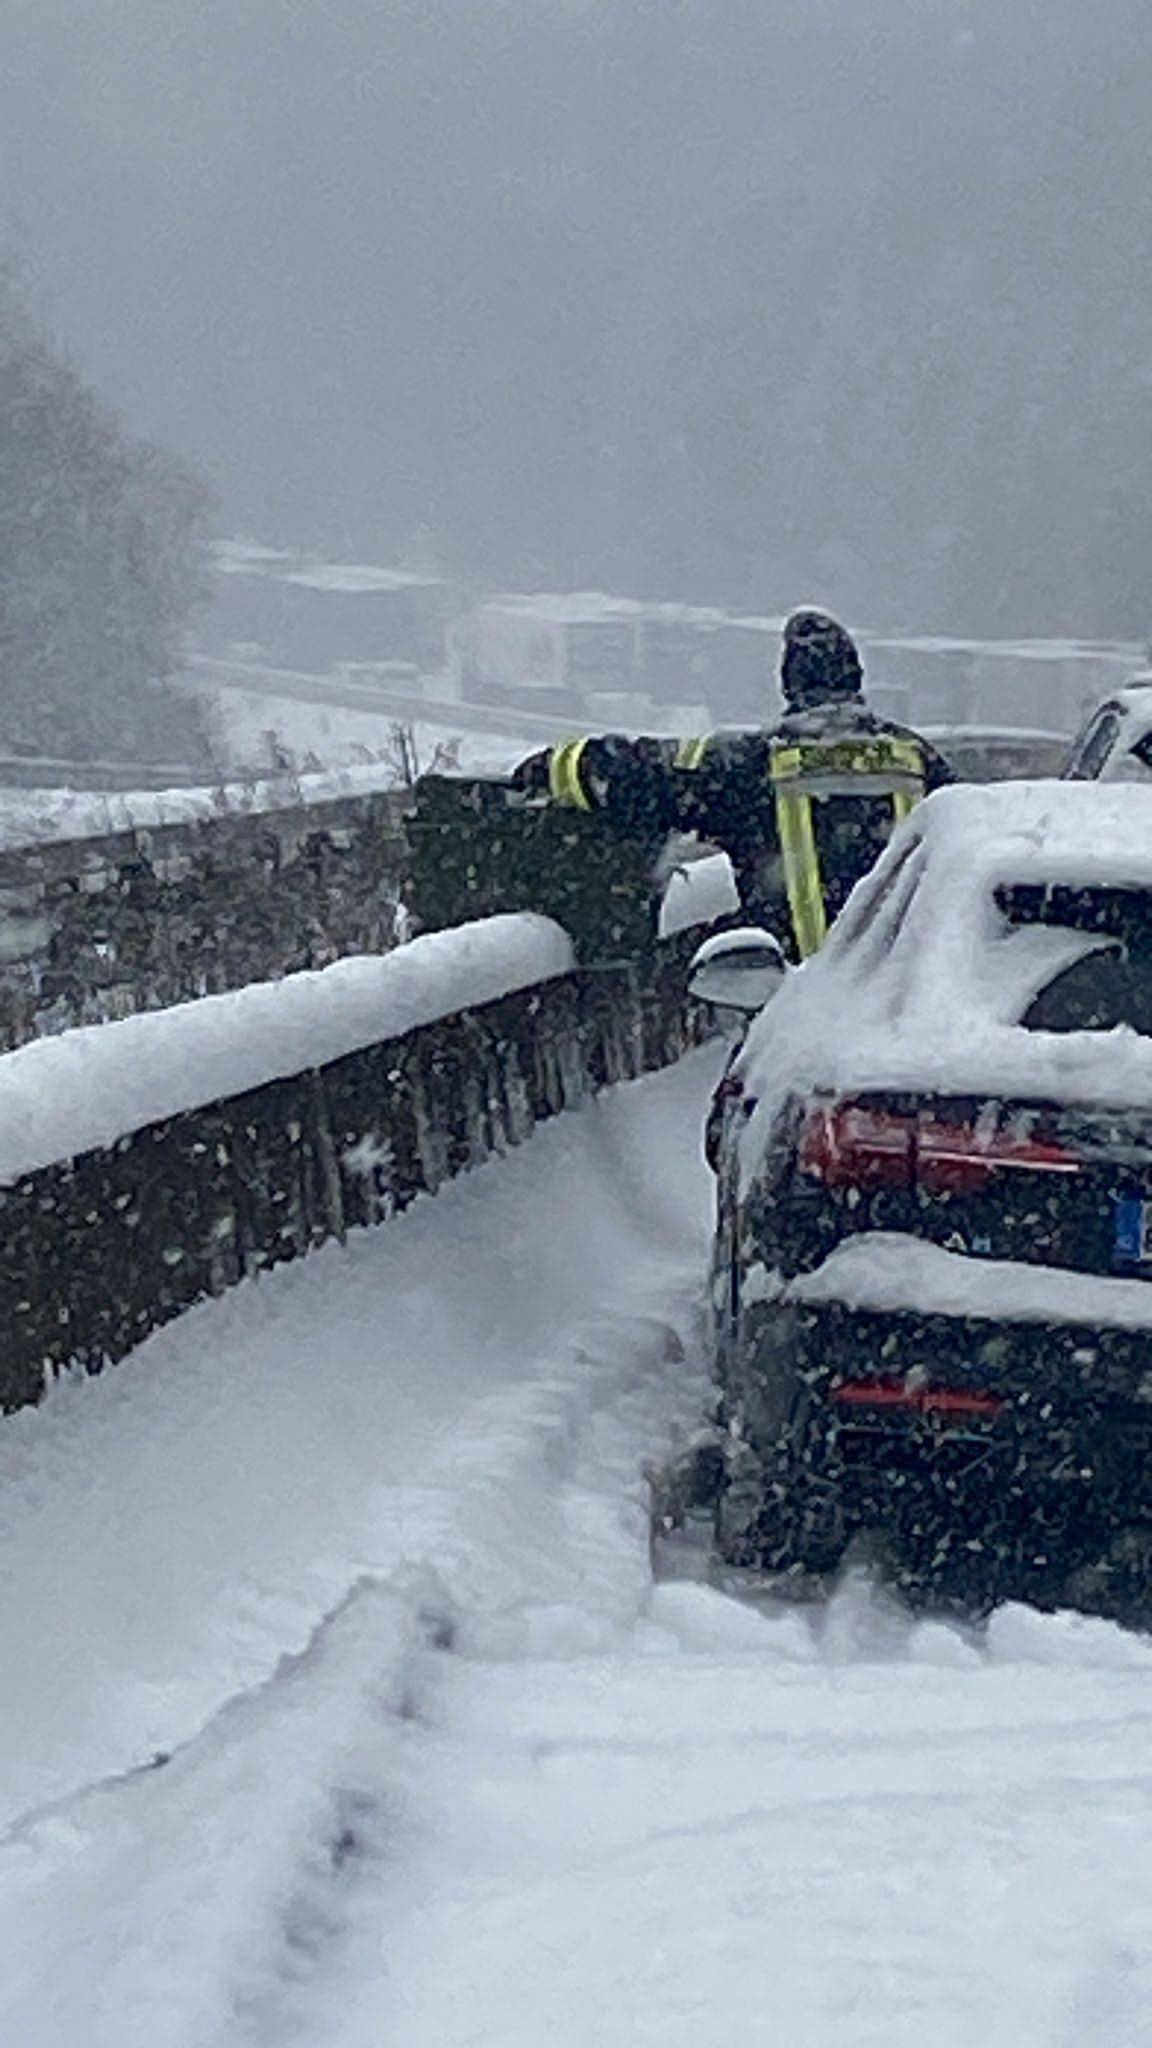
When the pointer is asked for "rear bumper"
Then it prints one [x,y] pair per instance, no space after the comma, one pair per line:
[1027,1408]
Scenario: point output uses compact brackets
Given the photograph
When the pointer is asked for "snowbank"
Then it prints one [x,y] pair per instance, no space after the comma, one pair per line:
[887,1272]
[63,1096]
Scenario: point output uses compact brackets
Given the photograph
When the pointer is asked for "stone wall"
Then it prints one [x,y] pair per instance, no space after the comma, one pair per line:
[98,1251]
[92,929]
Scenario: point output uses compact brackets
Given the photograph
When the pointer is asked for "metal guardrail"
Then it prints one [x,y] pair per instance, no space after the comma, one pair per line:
[383,697]
[51,771]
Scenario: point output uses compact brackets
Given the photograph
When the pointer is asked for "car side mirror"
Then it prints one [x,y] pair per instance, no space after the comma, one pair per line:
[738,970]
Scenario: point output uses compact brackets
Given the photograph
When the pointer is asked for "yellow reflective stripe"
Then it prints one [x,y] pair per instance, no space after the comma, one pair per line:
[690,753]
[785,763]
[801,870]
[904,755]
[564,783]
[795,763]
[876,755]
[909,757]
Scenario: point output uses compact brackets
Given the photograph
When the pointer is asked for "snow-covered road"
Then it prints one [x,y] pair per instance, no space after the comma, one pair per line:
[813,1831]
[339,1706]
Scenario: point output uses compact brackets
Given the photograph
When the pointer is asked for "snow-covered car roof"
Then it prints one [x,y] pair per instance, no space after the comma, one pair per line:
[1106,832]
[923,979]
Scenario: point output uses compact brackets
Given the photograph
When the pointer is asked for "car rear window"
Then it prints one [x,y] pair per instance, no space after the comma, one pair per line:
[1094,748]
[1107,987]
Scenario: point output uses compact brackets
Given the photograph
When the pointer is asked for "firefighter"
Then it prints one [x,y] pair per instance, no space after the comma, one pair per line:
[804,809]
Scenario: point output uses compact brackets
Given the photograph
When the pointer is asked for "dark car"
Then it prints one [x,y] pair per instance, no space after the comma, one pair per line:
[930,1287]
[994,753]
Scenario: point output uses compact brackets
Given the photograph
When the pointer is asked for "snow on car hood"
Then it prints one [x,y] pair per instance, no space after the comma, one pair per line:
[922,979]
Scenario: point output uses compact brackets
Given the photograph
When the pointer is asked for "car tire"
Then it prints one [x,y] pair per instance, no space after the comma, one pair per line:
[780,1515]
[1118,1585]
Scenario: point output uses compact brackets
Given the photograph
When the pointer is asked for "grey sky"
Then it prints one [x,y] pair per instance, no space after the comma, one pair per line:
[715,298]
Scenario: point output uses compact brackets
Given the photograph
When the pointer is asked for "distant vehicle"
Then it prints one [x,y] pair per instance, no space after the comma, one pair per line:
[992,753]
[1116,743]
[933,1252]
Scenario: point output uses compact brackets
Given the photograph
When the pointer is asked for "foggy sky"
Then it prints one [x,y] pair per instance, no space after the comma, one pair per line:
[723,299]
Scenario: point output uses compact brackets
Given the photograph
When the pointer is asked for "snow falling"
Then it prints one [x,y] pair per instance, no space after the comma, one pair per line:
[420,423]
[340,1704]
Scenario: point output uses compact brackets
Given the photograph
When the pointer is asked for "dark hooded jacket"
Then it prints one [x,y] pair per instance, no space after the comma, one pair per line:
[729,799]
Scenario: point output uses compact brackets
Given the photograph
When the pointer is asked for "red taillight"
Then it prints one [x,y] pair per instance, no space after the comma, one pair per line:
[960,1157]
[857,1142]
[960,1404]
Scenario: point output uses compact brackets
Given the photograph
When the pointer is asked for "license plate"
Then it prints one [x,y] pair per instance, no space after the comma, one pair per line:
[1134,1230]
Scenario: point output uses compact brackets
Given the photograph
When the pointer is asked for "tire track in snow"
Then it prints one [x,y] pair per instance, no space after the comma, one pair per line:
[420,1434]
[561,1460]
[228,1867]
[183,1878]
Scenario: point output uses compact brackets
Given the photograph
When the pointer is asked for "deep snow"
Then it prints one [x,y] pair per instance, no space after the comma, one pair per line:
[363,1550]
[304,1468]
[813,1829]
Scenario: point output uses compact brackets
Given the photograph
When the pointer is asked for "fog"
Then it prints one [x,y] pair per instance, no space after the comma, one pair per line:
[747,301]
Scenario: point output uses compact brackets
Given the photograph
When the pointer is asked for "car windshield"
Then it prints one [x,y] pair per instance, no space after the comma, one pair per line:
[1108,986]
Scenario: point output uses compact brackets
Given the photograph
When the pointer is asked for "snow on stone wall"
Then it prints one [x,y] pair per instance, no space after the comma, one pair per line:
[99,1249]
[154,914]
[90,1087]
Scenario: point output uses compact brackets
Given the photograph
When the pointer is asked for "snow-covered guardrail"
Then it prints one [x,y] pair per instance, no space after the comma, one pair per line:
[147,1163]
